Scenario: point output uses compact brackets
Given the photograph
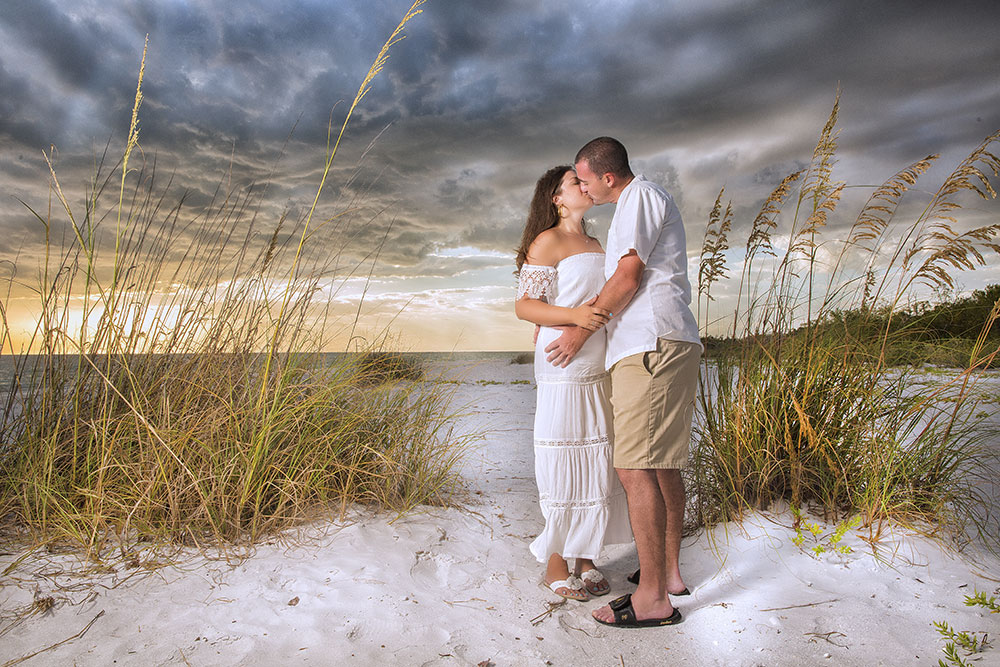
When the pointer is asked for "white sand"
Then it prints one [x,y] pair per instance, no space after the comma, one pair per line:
[459,587]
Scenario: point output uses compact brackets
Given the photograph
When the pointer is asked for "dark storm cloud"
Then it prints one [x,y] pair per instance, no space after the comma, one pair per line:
[481,97]
[69,47]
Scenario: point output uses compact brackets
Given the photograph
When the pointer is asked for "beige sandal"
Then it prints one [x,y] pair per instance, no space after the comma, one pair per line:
[570,588]
[593,580]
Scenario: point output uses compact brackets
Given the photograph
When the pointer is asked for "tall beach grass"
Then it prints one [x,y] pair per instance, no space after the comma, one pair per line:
[174,387]
[801,406]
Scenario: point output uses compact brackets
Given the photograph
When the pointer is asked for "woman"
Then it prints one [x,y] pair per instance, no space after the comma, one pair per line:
[560,271]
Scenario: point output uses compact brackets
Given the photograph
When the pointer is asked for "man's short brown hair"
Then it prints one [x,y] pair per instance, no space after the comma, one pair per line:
[605,155]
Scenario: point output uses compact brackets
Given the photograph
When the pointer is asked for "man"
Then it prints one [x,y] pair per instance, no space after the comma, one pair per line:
[653,354]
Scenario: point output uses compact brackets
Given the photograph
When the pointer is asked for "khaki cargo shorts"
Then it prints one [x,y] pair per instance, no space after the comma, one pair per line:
[653,396]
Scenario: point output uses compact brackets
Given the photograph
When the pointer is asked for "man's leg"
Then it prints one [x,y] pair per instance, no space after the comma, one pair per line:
[648,514]
[673,388]
[672,490]
[652,428]
[656,511]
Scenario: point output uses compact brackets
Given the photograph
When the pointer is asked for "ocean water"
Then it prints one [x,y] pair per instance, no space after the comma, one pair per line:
[8,362]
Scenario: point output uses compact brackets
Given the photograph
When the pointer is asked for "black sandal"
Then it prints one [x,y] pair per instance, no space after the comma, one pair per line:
[625,615]
[634,579]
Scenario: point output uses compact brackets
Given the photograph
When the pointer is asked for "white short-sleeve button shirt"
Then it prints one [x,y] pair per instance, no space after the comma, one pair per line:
[647,220]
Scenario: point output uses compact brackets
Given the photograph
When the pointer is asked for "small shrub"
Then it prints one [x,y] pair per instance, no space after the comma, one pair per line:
[380,367]
[969,643]
[822,543]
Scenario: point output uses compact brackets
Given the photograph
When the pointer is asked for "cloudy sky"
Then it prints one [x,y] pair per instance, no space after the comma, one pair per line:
[472,106]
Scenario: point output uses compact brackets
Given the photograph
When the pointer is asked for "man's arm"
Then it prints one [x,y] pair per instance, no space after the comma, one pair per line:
[617,294]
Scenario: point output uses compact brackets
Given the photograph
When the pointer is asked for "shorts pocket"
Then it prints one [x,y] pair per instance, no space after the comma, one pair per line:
[647,359]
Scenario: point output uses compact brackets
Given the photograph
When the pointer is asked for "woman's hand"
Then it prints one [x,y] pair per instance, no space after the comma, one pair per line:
[589,317]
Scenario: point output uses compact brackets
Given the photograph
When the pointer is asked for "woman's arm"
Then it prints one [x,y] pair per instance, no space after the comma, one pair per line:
[537,311]
[616,293]
[546,251]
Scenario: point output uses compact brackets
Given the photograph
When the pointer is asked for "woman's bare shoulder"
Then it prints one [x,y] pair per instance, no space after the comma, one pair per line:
[546,249]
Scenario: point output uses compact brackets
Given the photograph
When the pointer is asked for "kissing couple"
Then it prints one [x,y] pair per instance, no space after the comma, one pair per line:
[616,366]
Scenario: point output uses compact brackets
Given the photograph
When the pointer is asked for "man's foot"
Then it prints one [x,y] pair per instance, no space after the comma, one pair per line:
[634,579]
[621,613]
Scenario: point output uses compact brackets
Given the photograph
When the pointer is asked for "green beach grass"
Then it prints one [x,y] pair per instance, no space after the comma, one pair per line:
[175,388]
[802,404]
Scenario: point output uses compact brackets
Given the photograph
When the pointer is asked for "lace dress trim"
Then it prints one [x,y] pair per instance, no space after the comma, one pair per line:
[535,282]
[597,441]
[581,380]
[588,504]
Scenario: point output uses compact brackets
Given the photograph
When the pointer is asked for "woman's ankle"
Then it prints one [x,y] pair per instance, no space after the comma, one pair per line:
[556,569]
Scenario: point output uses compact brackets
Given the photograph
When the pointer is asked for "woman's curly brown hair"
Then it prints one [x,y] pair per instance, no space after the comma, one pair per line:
[543,213]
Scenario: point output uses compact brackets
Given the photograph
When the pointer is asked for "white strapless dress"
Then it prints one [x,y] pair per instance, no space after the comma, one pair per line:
[581,499]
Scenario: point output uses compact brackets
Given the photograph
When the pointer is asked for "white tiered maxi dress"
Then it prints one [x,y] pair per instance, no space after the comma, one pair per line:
[581,499]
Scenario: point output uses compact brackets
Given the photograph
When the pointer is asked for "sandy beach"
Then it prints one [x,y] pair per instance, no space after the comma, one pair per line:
[459,587]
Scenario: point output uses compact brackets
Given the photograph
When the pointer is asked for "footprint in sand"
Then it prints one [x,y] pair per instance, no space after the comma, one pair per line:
[437,569]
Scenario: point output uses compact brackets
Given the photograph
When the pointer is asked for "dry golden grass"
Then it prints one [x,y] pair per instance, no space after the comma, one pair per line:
[801,407]
[183,396]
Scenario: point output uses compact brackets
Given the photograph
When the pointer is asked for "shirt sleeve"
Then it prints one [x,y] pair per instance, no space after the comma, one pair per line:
[639,223]
[536,282]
